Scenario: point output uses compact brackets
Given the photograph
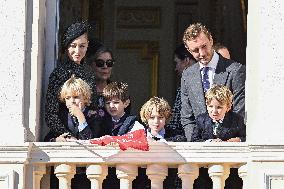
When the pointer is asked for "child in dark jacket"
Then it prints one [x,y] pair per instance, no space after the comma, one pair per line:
[76,116]
[116,101]
[156,113]
[219,123]
[120,122]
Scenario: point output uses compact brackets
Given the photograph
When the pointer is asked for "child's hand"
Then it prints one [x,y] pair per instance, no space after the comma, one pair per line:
[77,112]
[236,139]
[62,138]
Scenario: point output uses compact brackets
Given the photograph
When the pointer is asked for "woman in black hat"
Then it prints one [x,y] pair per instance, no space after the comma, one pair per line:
[74,47]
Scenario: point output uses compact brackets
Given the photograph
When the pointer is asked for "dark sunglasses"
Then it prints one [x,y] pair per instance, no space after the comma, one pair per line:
[101,63]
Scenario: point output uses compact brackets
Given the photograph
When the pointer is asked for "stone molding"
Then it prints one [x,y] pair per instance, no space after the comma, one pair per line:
[7,179]
[82,152]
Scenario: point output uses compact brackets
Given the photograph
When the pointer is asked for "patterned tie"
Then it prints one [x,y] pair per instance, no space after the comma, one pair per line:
[205,79]
[216,127]
[75,124]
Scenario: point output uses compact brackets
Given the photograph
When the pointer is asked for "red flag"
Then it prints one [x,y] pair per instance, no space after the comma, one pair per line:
[136,139]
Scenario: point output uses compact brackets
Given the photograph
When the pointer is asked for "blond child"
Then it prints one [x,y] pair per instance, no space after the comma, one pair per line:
[77,117]
[219,123]
[156,113]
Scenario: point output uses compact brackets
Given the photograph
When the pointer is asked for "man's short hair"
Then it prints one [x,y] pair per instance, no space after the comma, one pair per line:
[194,30]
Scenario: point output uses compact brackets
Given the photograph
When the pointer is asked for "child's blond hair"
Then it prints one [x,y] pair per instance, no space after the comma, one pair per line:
[117,90]
[75,87]
[162,106]
[221,93]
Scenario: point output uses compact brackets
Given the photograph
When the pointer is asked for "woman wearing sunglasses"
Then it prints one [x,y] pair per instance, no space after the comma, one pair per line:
[101,62]
[74,47]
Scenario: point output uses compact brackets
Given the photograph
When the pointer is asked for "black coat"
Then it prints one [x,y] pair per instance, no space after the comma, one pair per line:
[174,134]
[93,130]
[232,126]
[56,79]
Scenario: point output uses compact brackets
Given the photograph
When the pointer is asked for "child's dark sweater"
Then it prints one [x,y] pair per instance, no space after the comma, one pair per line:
[231,127]
[123,126]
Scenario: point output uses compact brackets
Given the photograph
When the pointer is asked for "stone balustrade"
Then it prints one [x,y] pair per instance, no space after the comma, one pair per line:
[35,159]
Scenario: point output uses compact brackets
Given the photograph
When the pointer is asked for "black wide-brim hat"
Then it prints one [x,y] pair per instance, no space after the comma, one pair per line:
[74,31]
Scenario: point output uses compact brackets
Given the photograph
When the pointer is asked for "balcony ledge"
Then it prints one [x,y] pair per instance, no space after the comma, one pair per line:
[80,152]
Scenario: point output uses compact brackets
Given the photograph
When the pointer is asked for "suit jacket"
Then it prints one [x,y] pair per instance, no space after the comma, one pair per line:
[232,126]
[228,73]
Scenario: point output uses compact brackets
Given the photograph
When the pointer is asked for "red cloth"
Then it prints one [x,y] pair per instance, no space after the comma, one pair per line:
[135,139]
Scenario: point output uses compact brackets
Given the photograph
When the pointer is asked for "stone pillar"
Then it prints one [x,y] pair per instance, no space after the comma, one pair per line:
[265,72]
[157,174]
[21,68]
[33,69]
[12,61]
[38,172]
[126,173]
[65,173]
[243,175]
[188,173]
[50,50]
[264,96]
[96,174]
[218,174]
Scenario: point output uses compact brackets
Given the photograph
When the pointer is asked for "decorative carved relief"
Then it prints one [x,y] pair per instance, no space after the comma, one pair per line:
[138,17]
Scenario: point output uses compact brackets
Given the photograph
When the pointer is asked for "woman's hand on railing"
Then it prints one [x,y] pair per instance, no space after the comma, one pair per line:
[65,137]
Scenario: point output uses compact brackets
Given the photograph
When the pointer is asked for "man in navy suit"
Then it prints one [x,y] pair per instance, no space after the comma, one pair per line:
[195,80]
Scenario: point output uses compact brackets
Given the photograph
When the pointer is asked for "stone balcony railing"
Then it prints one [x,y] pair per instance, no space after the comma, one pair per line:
[36,157]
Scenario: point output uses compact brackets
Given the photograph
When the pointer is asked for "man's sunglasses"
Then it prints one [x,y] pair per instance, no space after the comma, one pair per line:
[101,63]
